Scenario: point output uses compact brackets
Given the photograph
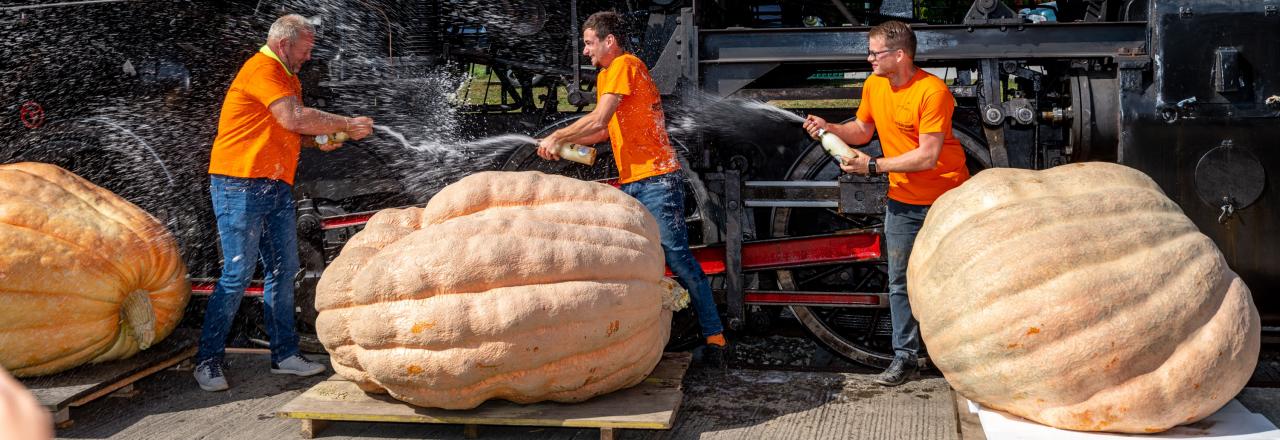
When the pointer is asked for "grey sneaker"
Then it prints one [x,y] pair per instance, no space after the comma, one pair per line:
[209,375]
[298,366]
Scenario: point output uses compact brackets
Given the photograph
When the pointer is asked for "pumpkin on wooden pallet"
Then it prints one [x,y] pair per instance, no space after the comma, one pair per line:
[85,276]
[517,286]
[1082,298]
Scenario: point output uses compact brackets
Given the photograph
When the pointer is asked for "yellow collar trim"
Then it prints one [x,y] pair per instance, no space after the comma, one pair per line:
[267,51]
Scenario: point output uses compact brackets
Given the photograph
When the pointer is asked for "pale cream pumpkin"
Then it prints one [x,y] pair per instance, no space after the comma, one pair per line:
[1082,298]
[85,276]
[517,286]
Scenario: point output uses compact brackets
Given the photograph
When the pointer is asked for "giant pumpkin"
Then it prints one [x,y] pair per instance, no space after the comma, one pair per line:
[1082,298]
[85,276]
[516,286]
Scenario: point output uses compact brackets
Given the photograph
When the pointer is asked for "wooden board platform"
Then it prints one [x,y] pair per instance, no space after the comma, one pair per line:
[650,405]
[83,384]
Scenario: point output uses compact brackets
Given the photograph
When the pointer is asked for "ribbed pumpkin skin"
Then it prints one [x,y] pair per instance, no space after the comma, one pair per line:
[517,286]
[73,255]
[1082,298]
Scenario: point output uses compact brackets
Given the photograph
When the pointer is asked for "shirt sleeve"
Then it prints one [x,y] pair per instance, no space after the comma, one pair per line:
[936,110]
[618,79]
[267,86]
[864,106]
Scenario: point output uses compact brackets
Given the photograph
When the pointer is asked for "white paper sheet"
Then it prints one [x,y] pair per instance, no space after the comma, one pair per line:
[1232,422]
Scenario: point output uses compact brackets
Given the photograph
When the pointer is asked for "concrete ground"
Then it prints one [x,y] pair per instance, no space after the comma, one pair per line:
[718,404]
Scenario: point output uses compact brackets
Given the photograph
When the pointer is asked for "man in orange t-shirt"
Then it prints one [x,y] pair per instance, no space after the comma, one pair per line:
[251,169]
[629,114]
[911,109]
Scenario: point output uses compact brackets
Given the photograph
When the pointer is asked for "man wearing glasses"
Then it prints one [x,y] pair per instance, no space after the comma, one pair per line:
[911,110]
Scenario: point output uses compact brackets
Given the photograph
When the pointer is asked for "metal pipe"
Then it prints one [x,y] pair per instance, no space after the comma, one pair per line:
[845,12]
[55,5]
[575,35]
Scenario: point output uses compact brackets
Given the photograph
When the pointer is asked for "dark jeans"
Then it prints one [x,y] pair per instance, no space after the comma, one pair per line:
[901,224]
[255,218]
[663,196]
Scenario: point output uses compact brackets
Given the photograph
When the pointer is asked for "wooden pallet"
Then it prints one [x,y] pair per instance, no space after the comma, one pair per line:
[650,405]
[78,386]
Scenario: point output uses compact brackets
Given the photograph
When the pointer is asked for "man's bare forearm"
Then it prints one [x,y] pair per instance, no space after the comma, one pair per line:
[313,121]
[850,132]
[586,131]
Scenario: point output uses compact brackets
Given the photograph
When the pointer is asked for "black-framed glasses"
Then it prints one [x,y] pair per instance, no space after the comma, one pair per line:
[876,54]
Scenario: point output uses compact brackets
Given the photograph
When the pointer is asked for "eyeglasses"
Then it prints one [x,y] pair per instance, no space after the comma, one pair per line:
[876,54]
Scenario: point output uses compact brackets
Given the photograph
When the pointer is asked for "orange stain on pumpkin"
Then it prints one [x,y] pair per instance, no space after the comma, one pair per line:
[1032,331]
[1014,345]
[613,328]
[423,325]
[414,369]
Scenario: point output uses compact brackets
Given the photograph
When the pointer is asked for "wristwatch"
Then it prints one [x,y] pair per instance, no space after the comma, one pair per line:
[871,166]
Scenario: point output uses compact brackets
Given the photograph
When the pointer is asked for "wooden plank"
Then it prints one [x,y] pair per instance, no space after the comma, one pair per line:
[967,422]
[671,368]
[650,405]
[606,433]
[129,380]
[312,428]
[87,382]
[62,418]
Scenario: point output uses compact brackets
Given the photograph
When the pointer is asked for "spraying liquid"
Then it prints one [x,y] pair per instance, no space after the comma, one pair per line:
[497,145]
[774,111]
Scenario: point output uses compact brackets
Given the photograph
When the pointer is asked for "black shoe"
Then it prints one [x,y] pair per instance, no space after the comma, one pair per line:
[898,372]
[713,356]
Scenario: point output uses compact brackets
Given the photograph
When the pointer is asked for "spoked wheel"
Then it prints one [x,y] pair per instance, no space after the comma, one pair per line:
[863,335]
[106,152]
[699,208]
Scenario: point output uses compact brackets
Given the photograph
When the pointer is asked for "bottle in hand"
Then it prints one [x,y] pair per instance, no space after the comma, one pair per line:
[578,153]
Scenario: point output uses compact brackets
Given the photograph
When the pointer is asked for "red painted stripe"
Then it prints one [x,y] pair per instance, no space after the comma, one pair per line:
[206,289]
[812,298]
[793,252]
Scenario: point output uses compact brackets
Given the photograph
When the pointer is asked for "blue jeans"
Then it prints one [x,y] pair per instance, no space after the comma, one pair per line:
[901,224]
[663,196]
[256,217]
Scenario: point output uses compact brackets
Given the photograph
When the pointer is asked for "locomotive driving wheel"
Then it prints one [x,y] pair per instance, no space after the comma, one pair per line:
[698,208]
[861,334]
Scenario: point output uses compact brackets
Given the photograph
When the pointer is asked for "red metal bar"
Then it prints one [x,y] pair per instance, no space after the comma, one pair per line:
[794,252]
[346,220]
[205,288]
[814,298]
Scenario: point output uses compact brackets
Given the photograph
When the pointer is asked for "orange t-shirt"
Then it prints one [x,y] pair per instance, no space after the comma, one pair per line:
[250,142]
[637,129]
[923,105]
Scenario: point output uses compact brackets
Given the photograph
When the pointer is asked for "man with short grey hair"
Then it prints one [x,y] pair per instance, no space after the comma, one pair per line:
[262,127]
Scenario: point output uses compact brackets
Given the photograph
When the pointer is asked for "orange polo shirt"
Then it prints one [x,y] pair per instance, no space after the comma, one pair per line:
[923,105]
[637,130]
[250,142]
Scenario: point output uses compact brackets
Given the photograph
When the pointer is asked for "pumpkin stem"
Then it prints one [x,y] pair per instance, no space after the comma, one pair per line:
[675,297]
[140,319]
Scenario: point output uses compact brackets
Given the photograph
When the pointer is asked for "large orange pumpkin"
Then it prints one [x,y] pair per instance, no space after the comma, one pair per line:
[517,286]
[85,276]
[1082,298]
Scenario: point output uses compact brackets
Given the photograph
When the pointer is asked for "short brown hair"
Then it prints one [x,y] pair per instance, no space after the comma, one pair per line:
[896,35]
[607,23]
